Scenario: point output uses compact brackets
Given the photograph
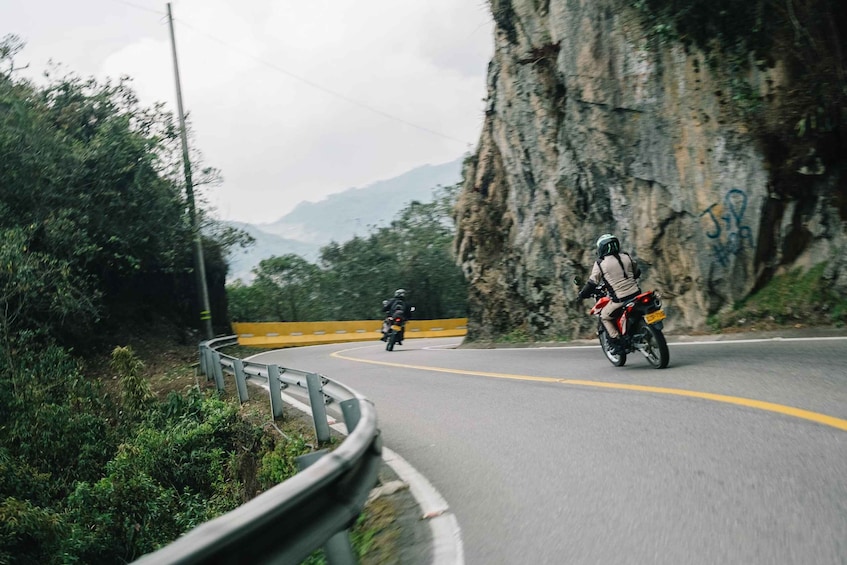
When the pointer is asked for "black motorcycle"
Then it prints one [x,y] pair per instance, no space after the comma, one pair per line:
[396,329]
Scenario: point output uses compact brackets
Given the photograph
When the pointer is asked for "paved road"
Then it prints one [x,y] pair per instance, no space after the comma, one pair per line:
[737,453]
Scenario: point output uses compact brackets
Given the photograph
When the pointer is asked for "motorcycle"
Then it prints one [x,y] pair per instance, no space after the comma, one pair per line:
[396,329]
[640,325]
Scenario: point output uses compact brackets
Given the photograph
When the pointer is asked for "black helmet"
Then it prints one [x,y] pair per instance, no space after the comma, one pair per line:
[399,293]
[607,244]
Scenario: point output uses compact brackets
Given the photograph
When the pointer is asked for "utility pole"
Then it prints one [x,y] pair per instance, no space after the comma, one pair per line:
[199,266]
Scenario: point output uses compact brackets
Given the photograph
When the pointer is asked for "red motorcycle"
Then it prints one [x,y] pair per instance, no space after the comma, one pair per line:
[640,324]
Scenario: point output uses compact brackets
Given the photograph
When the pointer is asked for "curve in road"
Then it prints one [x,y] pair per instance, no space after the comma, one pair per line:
[747,402]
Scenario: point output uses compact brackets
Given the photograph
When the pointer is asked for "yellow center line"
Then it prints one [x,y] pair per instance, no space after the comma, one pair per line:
[816,417]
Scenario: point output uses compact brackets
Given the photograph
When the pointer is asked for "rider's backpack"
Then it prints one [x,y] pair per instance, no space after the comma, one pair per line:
[399,309]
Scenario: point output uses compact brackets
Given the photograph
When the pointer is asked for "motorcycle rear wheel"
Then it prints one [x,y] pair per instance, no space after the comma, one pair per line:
[392,337]
[616,360]
[655,347]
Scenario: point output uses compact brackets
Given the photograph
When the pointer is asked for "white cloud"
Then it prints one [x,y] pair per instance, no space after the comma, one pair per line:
[277,139]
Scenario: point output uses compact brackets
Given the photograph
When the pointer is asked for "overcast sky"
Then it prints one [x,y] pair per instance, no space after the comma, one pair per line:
[291,99]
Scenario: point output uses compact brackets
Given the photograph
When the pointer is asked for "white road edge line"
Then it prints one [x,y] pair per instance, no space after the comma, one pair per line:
[447,546]
[760,340]
[670,344]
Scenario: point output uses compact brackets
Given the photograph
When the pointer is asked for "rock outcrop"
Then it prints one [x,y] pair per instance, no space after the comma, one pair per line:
[592,126]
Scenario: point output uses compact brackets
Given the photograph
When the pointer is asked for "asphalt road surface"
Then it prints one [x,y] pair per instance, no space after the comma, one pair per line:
[736,453]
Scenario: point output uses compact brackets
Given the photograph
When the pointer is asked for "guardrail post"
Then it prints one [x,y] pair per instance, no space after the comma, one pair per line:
[240,380]
[210,363]
[206,361]
[352,413]
[203,370]
[275,391]
[218,369]
[316,400]
[338,550]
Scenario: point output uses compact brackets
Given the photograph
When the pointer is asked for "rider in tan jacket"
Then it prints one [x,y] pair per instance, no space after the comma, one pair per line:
[620,272]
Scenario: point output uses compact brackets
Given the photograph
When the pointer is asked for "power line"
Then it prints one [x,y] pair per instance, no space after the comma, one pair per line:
[314,85]
[320,87]
[143,8]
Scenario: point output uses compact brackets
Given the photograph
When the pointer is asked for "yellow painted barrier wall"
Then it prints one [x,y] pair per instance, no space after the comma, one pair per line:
[290,334]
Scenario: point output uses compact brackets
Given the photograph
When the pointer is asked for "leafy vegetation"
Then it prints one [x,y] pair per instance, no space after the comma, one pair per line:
[87,476]
[97,465]
[794,298]
[708,23]
[352,279]
[802,128]
[92,209]
[96,468]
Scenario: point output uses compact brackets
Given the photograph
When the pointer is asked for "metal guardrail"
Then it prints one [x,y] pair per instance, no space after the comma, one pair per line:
[312,509]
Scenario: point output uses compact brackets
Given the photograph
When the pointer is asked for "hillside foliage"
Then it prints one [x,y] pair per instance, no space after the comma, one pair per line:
[95,239]
[92,209]
[351,279]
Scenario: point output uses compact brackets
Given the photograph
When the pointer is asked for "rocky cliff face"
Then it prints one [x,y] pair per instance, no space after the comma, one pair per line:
[592,127]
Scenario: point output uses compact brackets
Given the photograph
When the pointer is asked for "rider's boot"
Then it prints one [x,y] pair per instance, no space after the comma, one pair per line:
[615,345]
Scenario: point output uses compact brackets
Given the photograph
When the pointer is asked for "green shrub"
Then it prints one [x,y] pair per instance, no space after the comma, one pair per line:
[280,464]
[54,418]
[136,395]
[19,480]
[29,534]
[122,516]
[795,297]
[177,471]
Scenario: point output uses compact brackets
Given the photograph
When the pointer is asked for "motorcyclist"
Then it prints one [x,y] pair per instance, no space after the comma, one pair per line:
[620,272]
[395,304]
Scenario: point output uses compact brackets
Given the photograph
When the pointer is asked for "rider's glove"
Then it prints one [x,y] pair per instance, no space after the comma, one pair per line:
[587,290]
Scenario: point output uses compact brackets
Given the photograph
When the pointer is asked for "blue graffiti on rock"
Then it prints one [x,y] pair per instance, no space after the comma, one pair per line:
[726,226]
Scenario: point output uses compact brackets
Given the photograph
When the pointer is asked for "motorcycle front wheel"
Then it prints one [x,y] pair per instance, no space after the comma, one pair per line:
[655,347]
[392,337]
[616,360]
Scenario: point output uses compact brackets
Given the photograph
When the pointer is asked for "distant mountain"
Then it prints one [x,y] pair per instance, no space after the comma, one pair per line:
[339,217]
[243,261]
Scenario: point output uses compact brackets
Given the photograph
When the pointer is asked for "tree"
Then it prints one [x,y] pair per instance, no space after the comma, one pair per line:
[359,275]
[352,278]
[10,46]
[422,236]
[92,178]
[290,285]
[94,229]
[37,290]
